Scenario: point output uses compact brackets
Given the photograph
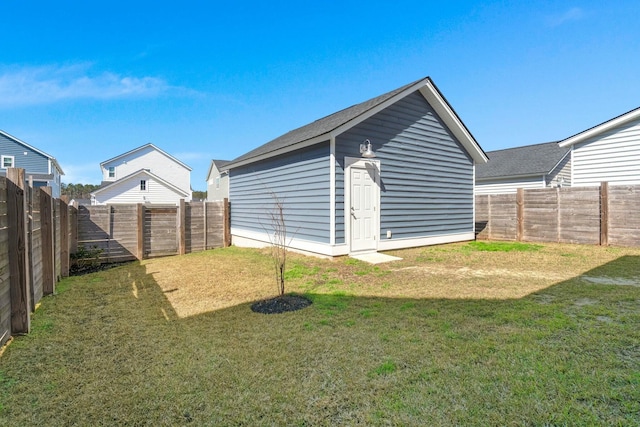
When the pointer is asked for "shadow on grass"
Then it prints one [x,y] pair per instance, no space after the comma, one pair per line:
[110,349]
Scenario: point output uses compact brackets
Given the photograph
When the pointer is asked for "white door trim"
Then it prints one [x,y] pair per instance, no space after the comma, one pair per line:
[360,163]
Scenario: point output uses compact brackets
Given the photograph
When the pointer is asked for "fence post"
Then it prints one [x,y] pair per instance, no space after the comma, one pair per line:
[182,215]
[28,193]
[520,214]
[604,213]
[204,218]
[73,229]
[64,239]
[48,263]
[140,254]
[18,263]
[226,223]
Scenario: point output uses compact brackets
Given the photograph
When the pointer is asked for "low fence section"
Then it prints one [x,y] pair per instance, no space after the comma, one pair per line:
[604,215]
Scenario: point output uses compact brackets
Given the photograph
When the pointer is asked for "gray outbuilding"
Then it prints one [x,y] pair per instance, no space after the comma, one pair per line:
[393,172]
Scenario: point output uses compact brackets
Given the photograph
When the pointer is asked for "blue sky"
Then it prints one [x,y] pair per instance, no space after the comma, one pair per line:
[86,81]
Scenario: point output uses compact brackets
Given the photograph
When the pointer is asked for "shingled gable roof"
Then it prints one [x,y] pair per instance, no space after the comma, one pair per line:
[538,159]
[337,123]
[142,147]
[602,127]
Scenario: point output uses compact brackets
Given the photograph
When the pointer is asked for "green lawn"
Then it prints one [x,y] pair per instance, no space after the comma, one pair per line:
[461,334]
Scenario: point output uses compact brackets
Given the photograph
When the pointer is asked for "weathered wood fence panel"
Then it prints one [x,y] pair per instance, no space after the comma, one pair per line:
[196,231]
[215,220]
[624,215]
[540,214]
[584,215]
[496,217]
[160,231]
[18,252]
[35,247]
[5,294]
[579,215]
[123,238]
[139,231]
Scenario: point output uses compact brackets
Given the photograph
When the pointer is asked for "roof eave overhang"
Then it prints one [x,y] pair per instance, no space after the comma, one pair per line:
[430,92]
[597,130]
[494,178]
[453,122]
[135,174]
[140,148]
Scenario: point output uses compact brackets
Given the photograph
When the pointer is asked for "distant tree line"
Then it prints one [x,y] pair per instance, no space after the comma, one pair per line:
[78,191]
[199,195]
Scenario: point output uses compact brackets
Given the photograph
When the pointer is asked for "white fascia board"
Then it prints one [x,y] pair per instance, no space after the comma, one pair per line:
[142,147]
[211,166]
[601,128]
[136,175]
[370,113]
[453,122]
[559,161]
[325,137]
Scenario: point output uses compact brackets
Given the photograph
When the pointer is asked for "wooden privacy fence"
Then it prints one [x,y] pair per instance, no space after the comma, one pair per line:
[140,231]
[38,234]
[604,215]
[34,249]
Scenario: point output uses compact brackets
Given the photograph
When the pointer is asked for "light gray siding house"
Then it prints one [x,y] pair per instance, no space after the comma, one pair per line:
[217,181]
[42,168]
[418,190]
[607,152]
[531,166]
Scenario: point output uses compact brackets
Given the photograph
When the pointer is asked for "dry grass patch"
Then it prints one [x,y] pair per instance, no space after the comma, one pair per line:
[214,280]
[173,341]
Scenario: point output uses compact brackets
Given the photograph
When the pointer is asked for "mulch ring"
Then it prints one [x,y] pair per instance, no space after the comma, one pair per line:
[280,304]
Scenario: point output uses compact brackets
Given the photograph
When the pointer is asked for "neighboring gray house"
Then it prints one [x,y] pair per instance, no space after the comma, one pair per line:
[338,199]
[607,152]
[531,166]
[41,167]
[217,181]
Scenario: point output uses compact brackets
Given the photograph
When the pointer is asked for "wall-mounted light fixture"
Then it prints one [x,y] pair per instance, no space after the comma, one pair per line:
[366,150]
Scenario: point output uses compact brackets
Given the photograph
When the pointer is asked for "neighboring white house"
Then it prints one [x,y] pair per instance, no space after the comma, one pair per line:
[143,175]
[217,181]
[531,166]
[607,152]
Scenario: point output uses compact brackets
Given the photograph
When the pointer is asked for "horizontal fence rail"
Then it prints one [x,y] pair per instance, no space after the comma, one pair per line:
[604,215]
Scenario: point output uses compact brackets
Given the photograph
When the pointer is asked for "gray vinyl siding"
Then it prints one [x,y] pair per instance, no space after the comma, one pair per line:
[32,161]
[299,179]
[426,174]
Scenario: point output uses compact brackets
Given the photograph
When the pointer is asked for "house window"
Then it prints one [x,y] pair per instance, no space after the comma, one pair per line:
[143,185]
[217,183]
[112,171]
[8,162]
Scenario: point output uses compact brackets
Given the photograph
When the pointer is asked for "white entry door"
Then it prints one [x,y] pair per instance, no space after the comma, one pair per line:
[363,209]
